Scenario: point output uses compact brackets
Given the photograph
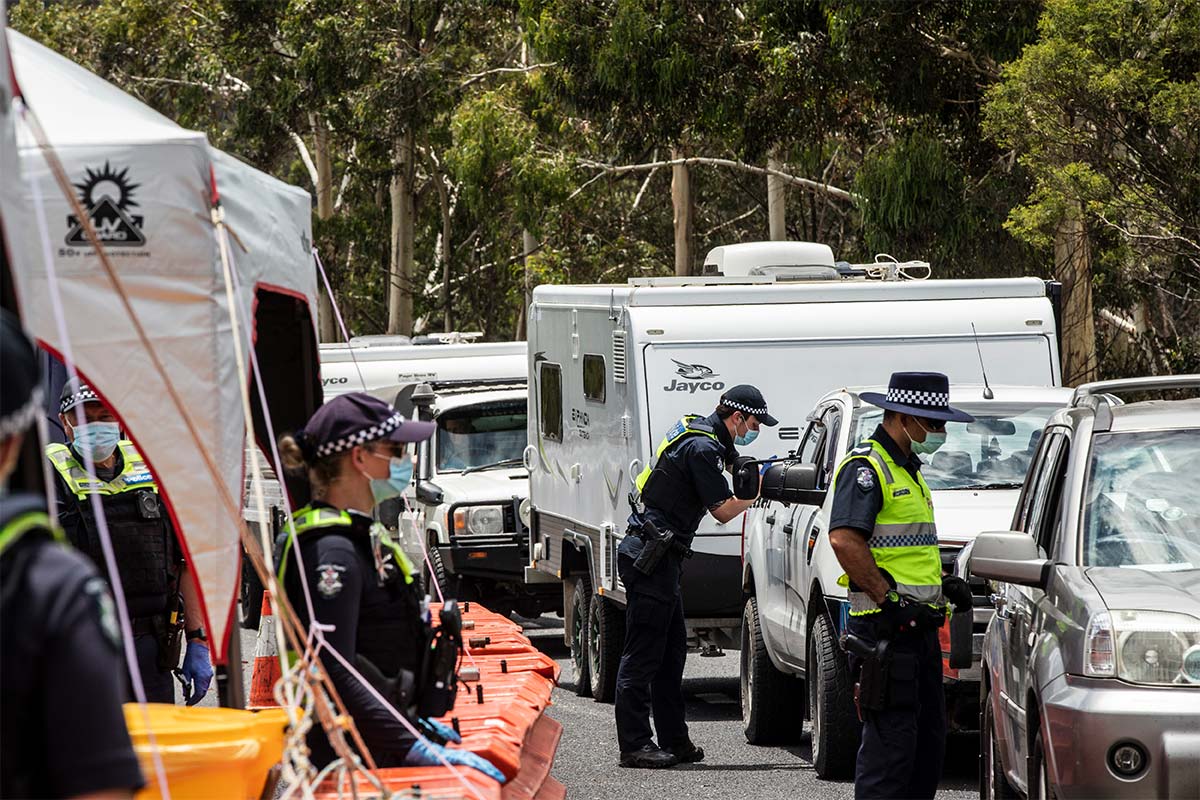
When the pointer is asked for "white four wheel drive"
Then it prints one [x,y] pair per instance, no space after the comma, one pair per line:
[612,367]
[795,611]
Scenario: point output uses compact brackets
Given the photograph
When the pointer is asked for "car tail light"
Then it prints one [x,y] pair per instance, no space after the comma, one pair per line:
[1099,657]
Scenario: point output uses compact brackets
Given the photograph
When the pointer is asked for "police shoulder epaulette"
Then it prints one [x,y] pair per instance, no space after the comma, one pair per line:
[701,425]
[861,450]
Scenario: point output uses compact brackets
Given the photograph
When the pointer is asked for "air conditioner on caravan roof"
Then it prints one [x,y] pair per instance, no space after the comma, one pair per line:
[771,258]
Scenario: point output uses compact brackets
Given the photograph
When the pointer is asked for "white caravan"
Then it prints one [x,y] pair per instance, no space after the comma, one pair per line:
[378,363]
[612,367]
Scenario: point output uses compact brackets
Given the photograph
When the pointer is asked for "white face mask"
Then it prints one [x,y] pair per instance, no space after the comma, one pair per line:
[933,440]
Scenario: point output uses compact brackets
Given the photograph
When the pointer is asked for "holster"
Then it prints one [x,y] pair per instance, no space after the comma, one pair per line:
[656,545]
[170,642]
[871,691]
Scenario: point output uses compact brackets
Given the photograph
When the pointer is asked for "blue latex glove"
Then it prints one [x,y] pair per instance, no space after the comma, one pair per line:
[441,729]
[762,470]
[425,754]
[197,672]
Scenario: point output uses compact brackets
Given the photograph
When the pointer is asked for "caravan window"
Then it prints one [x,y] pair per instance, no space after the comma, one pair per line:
[594,379]
[551,401]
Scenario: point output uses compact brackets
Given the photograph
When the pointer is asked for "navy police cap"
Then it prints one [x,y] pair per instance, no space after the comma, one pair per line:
[749,400]
[353,419]
[74,393]
[919,394]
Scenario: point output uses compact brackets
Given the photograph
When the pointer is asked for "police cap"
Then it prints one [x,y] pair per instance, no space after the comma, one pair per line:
[353,419]
[20,378]
[76,393]
[749,400]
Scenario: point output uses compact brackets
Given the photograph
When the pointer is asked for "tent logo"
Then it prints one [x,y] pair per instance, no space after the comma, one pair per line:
[108,196]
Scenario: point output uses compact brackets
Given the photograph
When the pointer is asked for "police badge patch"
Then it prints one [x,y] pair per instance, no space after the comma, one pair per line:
[97,589]
[329,582]
[865,478]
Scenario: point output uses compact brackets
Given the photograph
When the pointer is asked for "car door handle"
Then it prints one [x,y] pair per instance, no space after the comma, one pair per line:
[788,529]
[770,519]
[1001,606]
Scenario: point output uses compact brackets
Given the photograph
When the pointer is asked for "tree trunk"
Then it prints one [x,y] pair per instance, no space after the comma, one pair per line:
[326,323]
[776,202]
[681,199]
[528,245]
[400,267]
[1073,268]
[446,251]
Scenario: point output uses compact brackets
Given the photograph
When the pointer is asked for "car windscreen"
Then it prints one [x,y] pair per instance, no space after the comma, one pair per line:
[479,436]
[993,452]
[1142,508]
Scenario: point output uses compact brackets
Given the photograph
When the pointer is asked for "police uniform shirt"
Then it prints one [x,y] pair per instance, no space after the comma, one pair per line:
[857,495]
[63,677]
[342,580]
[701,462]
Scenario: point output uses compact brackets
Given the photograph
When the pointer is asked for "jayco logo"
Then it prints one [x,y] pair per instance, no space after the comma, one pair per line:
[694,372]
[108,197]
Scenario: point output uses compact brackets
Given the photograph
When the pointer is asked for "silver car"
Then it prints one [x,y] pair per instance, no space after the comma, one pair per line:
[1091,665]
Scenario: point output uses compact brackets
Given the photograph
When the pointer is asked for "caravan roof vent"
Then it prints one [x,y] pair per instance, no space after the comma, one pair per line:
[380,340]
[786,273]
[736,260]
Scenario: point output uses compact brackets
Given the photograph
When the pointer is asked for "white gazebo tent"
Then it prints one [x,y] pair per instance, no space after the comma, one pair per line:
[149,187]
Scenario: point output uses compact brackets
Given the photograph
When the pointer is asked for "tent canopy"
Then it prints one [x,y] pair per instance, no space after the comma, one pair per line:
[147,185]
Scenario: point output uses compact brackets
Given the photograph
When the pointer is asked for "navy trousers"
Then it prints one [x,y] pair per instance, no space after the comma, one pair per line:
[159,685]
[904,745]
[650,677]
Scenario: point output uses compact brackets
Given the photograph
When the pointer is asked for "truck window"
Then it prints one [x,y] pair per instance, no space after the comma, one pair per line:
[480,436]
[594,379]
[551,401]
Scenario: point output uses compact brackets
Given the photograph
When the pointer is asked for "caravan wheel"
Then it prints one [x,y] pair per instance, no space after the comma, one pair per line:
[581,599]
[606,639]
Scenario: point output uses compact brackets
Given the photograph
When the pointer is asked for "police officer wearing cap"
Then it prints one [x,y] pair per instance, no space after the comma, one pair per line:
[62,729]
[362,587]
[883,534]
[155,581]
[685,481]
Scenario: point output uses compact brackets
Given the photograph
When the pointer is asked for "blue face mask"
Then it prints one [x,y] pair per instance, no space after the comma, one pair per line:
[747,438]
[98,439]
[400,471]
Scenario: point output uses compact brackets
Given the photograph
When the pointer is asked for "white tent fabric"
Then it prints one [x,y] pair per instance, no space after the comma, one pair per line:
[146,183]
[9,170]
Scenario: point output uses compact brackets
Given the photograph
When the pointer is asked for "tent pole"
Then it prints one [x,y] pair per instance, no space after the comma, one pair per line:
[230,679]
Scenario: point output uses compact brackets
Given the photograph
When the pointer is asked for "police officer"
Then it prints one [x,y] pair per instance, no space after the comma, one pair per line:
[685,481]
[358,579]
[62,730]
[882,531]
[149,559]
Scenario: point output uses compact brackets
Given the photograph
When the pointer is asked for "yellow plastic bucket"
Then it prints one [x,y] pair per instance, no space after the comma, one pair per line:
[207,752]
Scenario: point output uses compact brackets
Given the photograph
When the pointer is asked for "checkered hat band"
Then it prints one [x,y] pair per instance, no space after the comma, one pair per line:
[23,417]
[911,397]
[369,434]
[758,412]
[84,395]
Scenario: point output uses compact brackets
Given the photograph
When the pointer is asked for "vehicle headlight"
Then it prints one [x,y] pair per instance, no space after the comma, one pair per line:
[1147,647]
[479,520]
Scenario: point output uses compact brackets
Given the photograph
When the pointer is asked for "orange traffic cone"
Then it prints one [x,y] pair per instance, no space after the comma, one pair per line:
[266,660]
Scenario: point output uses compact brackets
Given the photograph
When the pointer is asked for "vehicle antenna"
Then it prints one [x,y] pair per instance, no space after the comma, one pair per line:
[988,394]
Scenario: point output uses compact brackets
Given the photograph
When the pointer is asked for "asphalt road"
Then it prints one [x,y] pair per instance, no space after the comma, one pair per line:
[587,755]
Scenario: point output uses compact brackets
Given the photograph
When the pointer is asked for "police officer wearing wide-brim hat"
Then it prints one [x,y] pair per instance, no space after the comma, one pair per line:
[882,531]
[361,586]
[685,480]
[62,729]
[160,595]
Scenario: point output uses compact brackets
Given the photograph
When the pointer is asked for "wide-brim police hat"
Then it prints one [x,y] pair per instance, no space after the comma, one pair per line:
[353,419]
[919,394]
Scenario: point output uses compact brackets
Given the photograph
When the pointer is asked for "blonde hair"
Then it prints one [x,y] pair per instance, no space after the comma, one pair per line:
[320,472]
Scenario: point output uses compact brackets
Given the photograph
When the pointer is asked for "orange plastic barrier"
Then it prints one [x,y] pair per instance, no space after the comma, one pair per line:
[426,782]
[266,660]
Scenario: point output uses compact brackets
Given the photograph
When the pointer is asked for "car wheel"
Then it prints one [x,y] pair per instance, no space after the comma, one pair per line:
[1043,787]
[993,784]
[581,598]
[835,725]
[772,702]
[251,597]
[433,562]
[605,640]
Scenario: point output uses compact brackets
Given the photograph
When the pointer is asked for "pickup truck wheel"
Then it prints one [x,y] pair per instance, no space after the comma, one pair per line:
[438,573]
[835,725]
[993,785]
[606,640]
[251,596]
[581,598]
[772,702]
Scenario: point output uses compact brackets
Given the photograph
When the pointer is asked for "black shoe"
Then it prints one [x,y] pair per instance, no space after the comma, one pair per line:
[648,757]
[687,753]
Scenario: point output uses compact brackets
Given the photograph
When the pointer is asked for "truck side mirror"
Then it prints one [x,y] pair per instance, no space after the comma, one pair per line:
[1009,557]
[791,482]
[429,493]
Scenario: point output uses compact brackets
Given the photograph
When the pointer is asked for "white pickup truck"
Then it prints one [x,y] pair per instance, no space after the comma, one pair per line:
[791,659]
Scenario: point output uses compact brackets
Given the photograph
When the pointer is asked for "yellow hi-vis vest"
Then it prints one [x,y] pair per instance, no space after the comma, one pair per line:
[904,541]
[22,524]
[680,430]
[135,474]
[309,518]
